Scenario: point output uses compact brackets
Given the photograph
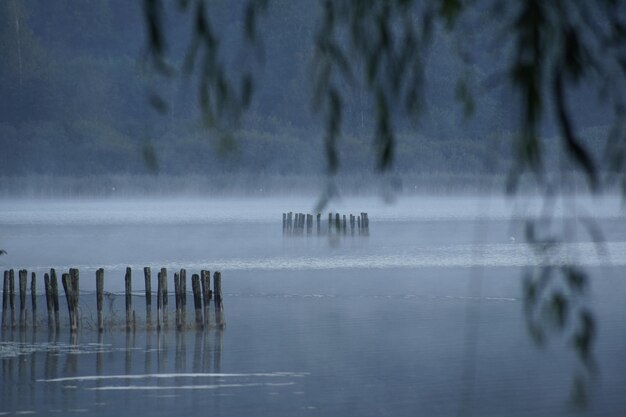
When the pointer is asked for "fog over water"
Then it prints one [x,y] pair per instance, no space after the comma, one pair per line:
[317,325]
[243,234]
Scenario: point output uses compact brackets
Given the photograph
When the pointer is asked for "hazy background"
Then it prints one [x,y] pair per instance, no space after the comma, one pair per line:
[75,90]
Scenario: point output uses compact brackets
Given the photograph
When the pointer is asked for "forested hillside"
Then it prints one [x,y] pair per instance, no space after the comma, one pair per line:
[75,99]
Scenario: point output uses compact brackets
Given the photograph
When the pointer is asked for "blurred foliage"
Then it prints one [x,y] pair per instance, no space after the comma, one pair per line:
[381,49]
[545,50]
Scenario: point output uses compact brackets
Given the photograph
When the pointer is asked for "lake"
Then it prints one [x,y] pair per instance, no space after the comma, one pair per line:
[425,316]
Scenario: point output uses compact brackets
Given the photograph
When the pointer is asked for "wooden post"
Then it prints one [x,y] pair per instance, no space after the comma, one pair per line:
[217,293]
[22,276]
[319,221]
[205,277]
[100,297]
[183,296]
[74,275]
[159,299]
[128,277]
[358,222]
[165,296]
[197,299]
[33,297]
[12,296]
[54,286]
[284,222]
[49,302]
[337,223]
[345,226]
[148,285]
[177,298]
[330,222]
[5,298]
[68,288]
[365,223]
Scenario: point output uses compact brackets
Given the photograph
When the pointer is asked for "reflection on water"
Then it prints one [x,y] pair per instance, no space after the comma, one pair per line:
[293,354]
[52,372]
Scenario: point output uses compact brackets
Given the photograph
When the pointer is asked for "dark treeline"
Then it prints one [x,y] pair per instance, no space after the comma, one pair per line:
[74,100]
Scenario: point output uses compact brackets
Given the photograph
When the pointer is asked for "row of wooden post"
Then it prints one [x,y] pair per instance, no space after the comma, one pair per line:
[295,224]
[201,290]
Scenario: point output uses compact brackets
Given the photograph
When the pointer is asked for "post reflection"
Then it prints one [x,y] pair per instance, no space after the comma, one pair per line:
[48,371]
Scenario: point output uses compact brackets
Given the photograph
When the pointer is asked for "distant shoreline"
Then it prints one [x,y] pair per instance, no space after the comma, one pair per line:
[258,185]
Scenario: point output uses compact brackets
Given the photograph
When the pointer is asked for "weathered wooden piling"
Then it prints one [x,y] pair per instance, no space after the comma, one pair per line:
[205,277]
[177,300]
[284,222]
[22,276]
[358,222]
[33,297]
[337,223]
[54,286]
[148,286]
[100,297]
[49,302]
[159,299]
[5,297]
[201,290]
[197,299]
[330,222]
[183,296]
[319,222]
[345,226]
[128,277]
[67,288]
[165,296]
[217,294]
[74,282]
[12,296]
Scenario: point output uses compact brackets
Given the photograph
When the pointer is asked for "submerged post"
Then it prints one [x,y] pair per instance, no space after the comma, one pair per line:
[54,286]
[330,222]
[159,299]
[12,296]
[5,297]
[165,296]
[100,297]
[69,297]
[177,299]
[148,285]
[217,293]
[365,223]
[319,221]
[197,299]
[33,297]
[129,301]
[205,277]
[183,296]
[74,275]
[49,303]
[22,277]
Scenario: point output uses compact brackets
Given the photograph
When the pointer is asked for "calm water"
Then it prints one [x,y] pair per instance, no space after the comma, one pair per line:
[425,316]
